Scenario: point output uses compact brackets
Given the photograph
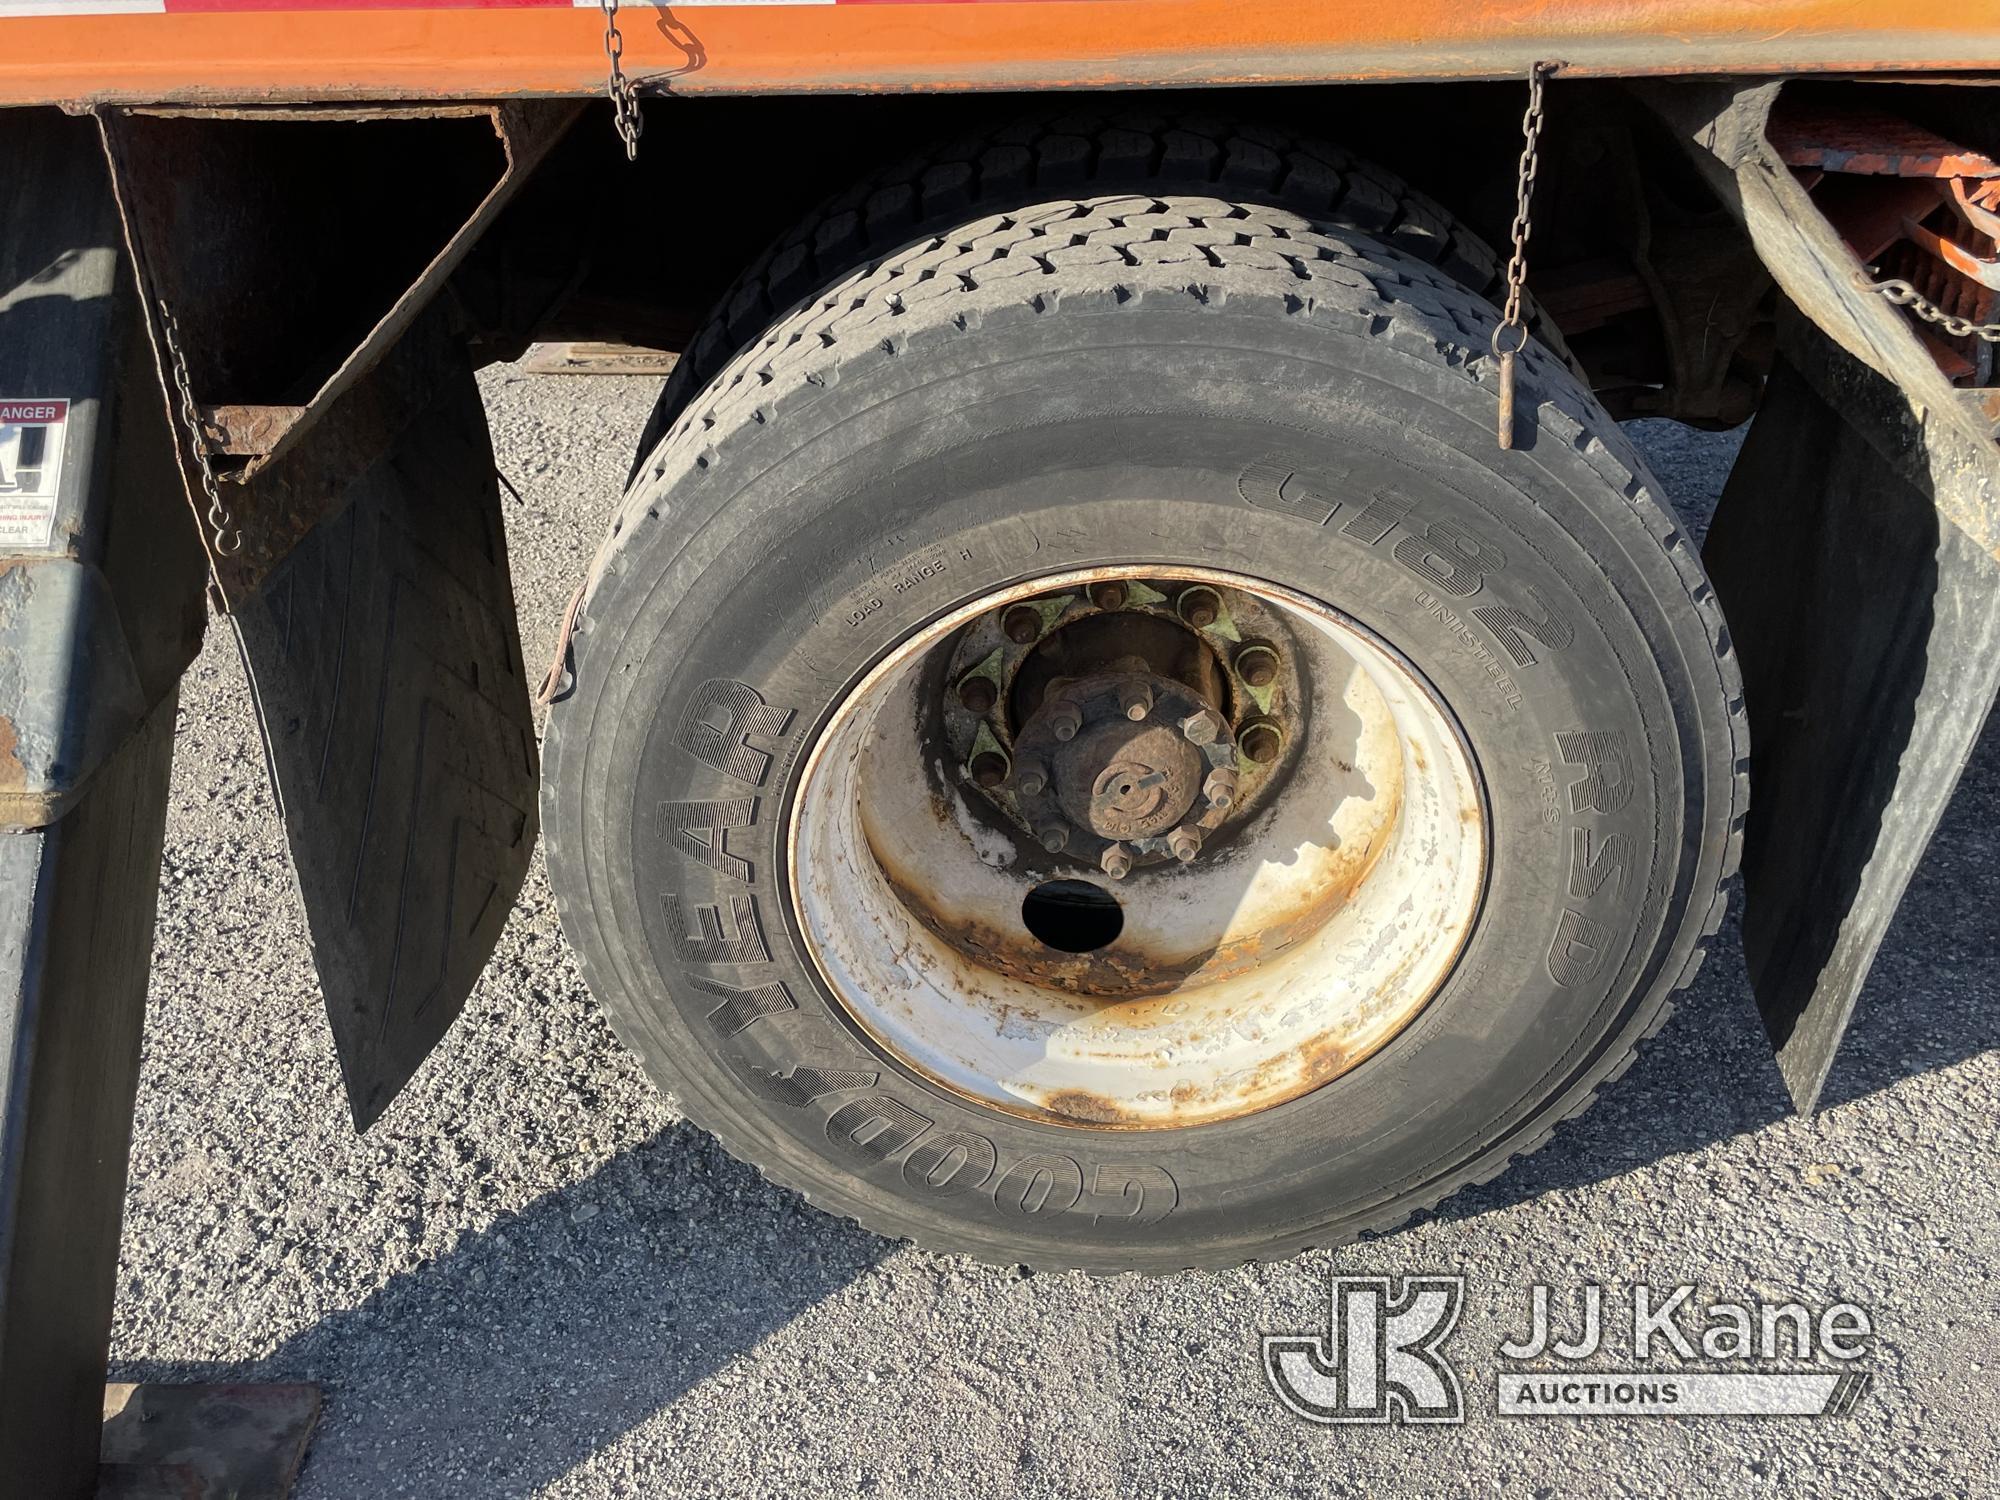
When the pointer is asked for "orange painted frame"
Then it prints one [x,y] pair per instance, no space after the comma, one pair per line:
[272,55]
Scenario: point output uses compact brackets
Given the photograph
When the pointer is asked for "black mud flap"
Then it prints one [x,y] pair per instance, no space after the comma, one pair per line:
[1857,555]
[385,658]
[1869,632]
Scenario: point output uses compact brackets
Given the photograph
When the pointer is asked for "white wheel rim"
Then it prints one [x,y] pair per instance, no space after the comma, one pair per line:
[1237,983]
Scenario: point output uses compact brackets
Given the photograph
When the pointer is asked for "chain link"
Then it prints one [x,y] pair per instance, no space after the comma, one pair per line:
[1511,319]
[1904,295]
[624,96]
[227,538]
[1524,197]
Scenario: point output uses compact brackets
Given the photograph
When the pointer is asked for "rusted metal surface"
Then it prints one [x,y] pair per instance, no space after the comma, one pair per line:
[1114,709]
[1730,131]
[303,481]
[213,55]
[246,431]
[1869,142]
[189,185]
[1916,206]
[205,1442]
[1983,269]
[1281,957]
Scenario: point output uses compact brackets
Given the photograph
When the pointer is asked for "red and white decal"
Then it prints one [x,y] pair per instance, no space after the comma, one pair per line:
[31,461]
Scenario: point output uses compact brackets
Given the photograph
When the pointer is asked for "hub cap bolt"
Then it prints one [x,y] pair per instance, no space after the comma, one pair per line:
[989,768]
[1054,838]
[1221,789]
[1185,843]
[1116,862]
[1029,781]
[1136,699]
[1262,740]
[1257,665]
[1065,719]
[1200,607]
[1202,727]
[1022,624]
[1108,596]
[977,694]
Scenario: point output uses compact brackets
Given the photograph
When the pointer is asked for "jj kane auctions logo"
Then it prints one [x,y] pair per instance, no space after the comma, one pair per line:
[1382,1357]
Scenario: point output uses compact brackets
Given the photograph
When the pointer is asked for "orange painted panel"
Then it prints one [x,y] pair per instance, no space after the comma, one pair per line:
[394,49]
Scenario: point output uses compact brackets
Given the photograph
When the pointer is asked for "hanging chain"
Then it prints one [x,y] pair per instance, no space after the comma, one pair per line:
[227,539]
[1511,321]
[625,116]
[1904,295]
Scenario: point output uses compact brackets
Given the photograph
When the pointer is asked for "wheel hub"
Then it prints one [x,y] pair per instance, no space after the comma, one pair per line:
[1113,759]
[1125,724]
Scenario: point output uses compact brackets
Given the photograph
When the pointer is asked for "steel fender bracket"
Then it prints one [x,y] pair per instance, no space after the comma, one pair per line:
[295,249]
[1856,552]
[385,659]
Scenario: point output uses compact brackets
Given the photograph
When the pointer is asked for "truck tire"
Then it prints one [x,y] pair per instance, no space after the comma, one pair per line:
[913,950]
[1057,153]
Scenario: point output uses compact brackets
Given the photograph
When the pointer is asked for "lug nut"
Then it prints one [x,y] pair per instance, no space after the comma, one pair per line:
[1054,838]
[1220,788]
[1030,781]
[1262,740]
[1065,719]
[977,693]
[1022,624]
[1136,699]
[1184,843]
[989,768]
[1108,596]
[1257,665]
[1116,862]
[1202,726]
[1200,607]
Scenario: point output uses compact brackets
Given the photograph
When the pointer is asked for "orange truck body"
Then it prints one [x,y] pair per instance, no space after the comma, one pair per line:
[82,52]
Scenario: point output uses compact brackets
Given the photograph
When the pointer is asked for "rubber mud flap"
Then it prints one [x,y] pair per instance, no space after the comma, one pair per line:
[385,658]
[1869,629]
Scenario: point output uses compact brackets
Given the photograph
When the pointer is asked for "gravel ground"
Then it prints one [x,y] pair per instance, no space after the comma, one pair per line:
[534,1278]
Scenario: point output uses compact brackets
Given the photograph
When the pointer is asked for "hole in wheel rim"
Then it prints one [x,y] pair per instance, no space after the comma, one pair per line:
[1073,916]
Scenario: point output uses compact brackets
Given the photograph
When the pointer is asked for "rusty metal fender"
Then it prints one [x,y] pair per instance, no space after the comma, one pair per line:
[1857,555]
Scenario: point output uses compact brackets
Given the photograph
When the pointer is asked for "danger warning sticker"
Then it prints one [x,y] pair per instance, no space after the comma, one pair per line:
[31,459]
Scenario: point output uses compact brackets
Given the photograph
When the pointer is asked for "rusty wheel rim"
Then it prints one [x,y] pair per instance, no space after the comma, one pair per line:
[1322,872]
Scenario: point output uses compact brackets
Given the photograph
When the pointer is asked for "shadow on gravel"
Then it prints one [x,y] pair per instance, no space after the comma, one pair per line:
[549,1335]
[1932,1000]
